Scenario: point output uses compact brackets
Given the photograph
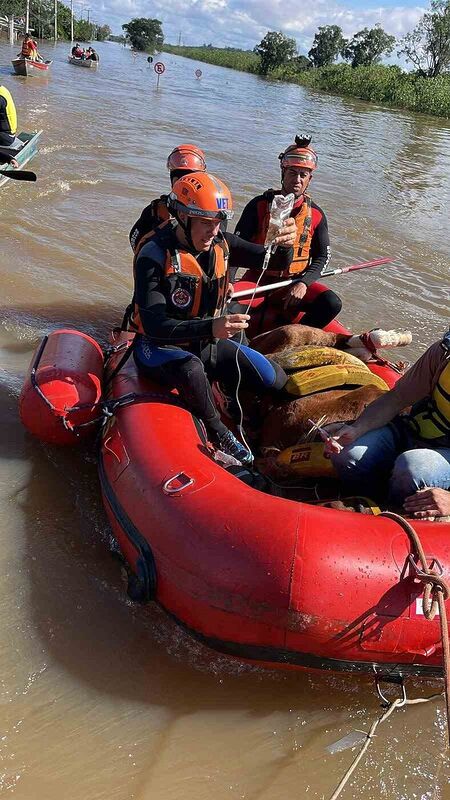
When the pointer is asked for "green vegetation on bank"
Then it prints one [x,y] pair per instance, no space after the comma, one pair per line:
[243,60]
[388,85]
[427,48]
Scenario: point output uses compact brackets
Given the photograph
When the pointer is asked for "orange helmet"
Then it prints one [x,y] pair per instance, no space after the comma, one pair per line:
[299,154]
[188,157]
[201,195]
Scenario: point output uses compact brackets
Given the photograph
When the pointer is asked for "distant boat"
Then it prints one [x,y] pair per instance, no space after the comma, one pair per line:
[22,156]
[82,62]
[27,67]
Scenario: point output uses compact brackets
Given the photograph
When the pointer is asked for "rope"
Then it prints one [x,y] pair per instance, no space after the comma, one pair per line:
[436,592]
[398,703]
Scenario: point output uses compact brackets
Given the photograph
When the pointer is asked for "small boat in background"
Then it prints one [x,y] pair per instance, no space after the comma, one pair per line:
[83,62]
[22,156]
[26,67]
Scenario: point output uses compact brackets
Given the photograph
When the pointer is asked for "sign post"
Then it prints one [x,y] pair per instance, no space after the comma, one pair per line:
[159,69]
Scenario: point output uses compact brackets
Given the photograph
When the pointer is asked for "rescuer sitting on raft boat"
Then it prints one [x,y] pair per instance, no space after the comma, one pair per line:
[412,450]
[184,159]
[311,249]
[185,337]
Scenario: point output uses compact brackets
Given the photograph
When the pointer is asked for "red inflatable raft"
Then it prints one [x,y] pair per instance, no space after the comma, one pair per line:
[252,575]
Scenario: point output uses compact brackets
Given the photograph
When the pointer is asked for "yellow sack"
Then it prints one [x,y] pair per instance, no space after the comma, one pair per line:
[307,460]
[293,359]
[333,376]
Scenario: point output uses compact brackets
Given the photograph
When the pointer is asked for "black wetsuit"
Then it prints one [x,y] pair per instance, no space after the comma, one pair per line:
[162,353]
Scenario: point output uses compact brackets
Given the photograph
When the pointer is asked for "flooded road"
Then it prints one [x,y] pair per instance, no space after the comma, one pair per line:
[101,699]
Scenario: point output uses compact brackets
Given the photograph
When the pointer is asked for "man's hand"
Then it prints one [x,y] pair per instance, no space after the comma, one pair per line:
[295,295]
[428,503]
[287,234]
[14,163]
[343,435]
[227,326]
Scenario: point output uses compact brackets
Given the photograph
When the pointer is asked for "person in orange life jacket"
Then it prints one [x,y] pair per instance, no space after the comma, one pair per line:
[29,49]
[185,335]
[185,158]
[312,246]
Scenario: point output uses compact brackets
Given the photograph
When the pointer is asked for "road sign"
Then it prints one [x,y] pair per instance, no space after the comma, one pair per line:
[159,68]
[198,73]
[150,60]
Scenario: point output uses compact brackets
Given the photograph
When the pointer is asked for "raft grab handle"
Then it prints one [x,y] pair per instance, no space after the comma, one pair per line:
[181,480]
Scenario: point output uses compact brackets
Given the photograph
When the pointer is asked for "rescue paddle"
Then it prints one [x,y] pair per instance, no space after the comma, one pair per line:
[339,271]
[19,174]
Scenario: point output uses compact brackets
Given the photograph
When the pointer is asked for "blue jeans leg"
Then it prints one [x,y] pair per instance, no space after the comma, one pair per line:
[365,465]
[418,469]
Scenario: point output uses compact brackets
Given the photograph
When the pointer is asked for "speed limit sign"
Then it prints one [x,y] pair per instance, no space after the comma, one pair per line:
[159,68]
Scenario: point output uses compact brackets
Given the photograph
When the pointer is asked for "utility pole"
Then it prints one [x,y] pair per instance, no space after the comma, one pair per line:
[27,17]
[71,21]
[179,38]
[56,21]
[88,13]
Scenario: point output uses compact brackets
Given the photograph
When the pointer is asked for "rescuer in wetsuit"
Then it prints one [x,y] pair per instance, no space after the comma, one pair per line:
[311,248]
[185,336]
[185,158]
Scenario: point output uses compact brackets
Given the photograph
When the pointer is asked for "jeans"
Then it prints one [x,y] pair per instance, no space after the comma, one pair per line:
[378,461]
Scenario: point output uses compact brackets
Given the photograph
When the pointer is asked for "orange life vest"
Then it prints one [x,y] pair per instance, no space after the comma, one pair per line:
[160,213]
[27,48]
[302,245]
[185,283]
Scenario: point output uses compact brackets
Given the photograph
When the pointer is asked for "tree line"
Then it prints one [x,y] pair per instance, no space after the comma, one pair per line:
[42,20]
[427,47]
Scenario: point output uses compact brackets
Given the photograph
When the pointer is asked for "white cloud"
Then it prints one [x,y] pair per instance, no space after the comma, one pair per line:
[243,23]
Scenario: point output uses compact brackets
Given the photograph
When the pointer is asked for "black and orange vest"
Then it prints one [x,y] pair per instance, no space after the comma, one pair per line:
[189,292]
[156,213]
[302,246]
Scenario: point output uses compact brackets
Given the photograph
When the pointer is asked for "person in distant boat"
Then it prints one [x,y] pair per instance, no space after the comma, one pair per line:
[408,452]
[183,159]
[29,49]
[185,336]
[8,121]
[312,246]
[77,51]
[91,54]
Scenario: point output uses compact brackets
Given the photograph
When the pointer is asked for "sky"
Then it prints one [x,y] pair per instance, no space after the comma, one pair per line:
[243,23]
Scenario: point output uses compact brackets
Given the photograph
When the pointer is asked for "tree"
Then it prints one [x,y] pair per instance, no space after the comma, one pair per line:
[145,34]
[83,30]
[12,8]
[302,63]
[367,47]
[103,33]
[427,47]
[327,45]
[275,50]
